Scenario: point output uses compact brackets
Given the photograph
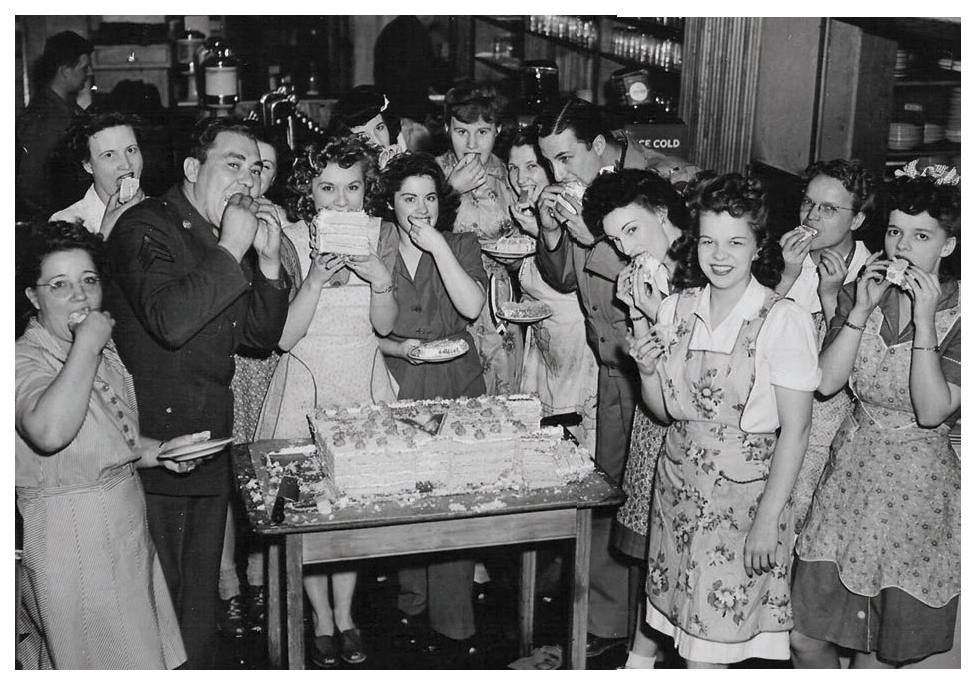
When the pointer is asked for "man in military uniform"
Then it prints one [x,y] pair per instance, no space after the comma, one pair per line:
[196,274]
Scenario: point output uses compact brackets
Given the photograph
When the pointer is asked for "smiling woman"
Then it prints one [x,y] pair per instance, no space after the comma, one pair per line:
[735,375]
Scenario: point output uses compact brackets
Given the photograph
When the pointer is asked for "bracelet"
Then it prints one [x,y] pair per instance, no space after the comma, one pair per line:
[854,327]
[382,292]
[934,348]
[636,318]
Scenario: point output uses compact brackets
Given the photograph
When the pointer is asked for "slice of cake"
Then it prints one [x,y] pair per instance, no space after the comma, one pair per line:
[518,244]
[347,233]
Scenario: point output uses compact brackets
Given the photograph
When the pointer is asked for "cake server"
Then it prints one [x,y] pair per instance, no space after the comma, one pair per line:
[288,489]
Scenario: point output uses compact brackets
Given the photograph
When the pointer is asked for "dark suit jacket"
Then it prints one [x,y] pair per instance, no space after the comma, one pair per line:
[183,306]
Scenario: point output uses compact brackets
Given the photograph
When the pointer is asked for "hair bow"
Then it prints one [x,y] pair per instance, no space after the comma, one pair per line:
[941,174]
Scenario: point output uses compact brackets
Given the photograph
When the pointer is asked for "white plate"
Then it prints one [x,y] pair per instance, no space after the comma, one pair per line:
[540,311]
[429,352]
[491,250]
[196,450]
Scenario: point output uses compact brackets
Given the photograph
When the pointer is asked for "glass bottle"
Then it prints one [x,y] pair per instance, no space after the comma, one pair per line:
[220,72]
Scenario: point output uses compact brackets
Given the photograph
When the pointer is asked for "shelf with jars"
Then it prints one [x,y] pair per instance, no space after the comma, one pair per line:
[586,49]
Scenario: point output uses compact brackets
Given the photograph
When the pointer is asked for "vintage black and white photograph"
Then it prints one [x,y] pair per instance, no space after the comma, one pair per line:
[487,342]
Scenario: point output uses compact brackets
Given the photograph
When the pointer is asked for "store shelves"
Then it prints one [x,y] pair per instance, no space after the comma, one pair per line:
[587,49]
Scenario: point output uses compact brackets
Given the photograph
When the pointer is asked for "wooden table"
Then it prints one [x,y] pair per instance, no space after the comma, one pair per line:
[421,525]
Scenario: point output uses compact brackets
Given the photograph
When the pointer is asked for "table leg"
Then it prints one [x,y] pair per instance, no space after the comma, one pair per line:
[582,567]
[528,581]
[293,602]
[273,616]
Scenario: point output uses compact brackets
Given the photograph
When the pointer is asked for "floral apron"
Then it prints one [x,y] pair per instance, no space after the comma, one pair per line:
[709,479]
[887,511]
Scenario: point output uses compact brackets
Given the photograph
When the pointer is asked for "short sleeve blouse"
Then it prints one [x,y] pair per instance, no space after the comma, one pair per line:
[786,352]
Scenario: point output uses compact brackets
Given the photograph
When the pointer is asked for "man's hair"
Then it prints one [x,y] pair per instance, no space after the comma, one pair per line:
[61,50]
[84,127]
[207,129]
[580,116]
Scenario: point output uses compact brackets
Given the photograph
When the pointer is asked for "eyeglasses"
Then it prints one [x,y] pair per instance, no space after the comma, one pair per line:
[825,209]
[63,287]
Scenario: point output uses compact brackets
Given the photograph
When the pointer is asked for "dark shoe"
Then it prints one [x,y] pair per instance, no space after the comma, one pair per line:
[231,620]
[324,652]
[599,645]
[256,607]
[351,646]
[481,592]
[413,630]
[459,654]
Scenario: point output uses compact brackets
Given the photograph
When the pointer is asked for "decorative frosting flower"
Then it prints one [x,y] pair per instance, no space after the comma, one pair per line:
[942,174]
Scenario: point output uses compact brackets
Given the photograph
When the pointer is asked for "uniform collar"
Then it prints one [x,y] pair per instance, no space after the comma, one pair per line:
[603,260]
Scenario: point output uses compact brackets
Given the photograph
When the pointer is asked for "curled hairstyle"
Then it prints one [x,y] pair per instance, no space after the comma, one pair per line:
[344,152]
[470,100]
[739,197]
[915,195]
[407,165]
[86,126]
[647,189]
[46,238]
[206,130]
[858,181]
[359,106]
[578,115]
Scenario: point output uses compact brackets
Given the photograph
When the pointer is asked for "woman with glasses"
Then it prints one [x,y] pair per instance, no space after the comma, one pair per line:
[821,255]
[94,592]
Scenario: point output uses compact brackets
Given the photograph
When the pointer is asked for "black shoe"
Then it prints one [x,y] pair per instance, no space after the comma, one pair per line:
[324,651]
[414,632]
[351,646]
[231,620]
[599,645]
[481,592]
[459,654]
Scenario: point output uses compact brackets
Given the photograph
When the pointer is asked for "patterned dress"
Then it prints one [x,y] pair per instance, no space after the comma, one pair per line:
[253,371]
[827,413]
[887,511]
[713,471]
[485,212]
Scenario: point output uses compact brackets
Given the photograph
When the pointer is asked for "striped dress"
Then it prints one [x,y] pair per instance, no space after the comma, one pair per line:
[94,596]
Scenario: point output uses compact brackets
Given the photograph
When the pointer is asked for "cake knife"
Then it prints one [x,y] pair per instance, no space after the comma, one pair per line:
[288,489]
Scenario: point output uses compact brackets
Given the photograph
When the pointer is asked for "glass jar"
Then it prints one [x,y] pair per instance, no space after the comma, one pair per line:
[220,75]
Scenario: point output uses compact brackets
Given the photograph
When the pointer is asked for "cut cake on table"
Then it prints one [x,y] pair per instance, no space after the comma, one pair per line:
[444,447]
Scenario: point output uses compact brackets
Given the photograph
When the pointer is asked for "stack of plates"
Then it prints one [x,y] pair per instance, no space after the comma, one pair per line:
[933,133]
[903,59]
[953,127]
[905,136]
